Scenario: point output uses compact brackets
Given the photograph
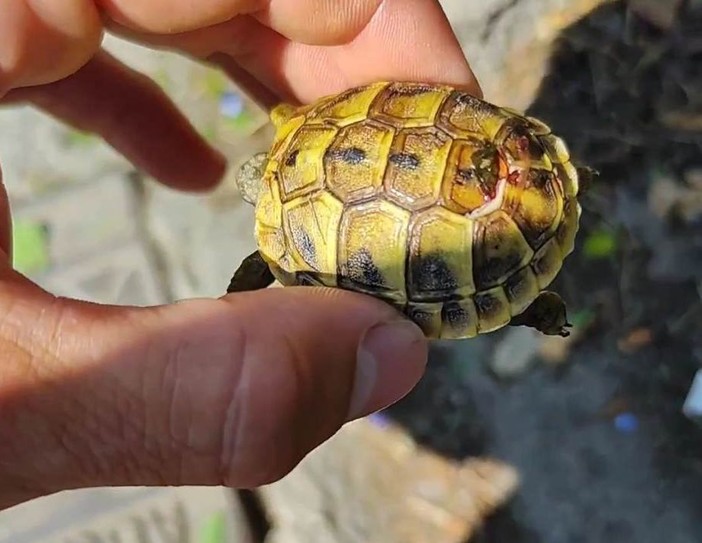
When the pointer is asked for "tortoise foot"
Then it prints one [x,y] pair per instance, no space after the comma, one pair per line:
[252,274]
[547,313]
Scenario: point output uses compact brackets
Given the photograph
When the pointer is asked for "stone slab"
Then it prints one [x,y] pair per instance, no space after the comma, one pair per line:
[373,483]
[128,515]
[509,42]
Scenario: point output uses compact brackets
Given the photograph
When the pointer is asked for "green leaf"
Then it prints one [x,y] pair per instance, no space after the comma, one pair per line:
[214,529]
[240,123]
[79,138]
[214,84]
[600,244]
[30,244]
[583,318]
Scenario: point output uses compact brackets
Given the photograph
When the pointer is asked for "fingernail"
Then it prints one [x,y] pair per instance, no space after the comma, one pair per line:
[391,359]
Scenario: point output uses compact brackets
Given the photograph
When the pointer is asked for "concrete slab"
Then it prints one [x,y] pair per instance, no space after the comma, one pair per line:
[128,515]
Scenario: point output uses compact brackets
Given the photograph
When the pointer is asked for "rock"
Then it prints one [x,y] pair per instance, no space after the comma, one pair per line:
[682,120]
[372,483]
[635,340]
[664,195]
[200,244]
[668,198]
[661,13]
[555,350]
[128,515]
[73,251]
[693,403]
[509,42]
[693,178]
[515,352]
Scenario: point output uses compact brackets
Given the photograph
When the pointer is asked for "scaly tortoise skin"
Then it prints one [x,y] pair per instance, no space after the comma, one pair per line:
[456,211]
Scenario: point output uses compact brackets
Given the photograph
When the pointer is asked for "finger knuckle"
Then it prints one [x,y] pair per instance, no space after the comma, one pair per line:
[262,438]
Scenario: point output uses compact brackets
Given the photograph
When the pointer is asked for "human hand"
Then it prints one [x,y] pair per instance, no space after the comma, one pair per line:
[234,391]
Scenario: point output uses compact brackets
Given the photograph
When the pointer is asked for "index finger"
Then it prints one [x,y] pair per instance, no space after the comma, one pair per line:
[404,40]
[304,49]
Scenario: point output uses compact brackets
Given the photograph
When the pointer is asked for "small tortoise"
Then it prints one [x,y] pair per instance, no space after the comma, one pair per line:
[457,212]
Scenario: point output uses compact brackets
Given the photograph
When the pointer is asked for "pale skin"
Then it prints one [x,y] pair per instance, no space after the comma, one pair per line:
[232,391]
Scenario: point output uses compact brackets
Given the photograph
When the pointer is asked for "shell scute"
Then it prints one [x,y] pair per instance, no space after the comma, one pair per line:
[472,175]
[416,167]
[568,176]
[464,115]
[460,319]
[440,264]
[311,228]
[537,126]
[354,163]
[556,148]
[269,221]
[409,105]
[346,108]
[521,288]
[547,262]
[301,169]
[522,146]
[535,204]
[568,228]
[428,316]
[373,248]
[499,250]
[492,309]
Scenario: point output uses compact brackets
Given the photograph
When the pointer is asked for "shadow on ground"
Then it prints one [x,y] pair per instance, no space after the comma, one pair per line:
[627,97]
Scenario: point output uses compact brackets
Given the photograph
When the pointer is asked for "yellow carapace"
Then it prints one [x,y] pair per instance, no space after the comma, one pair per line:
[457,212]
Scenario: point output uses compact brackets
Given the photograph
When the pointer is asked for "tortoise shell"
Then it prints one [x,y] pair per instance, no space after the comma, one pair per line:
[454,210]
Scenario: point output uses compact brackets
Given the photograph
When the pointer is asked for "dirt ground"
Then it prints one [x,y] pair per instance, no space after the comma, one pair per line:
[598,433]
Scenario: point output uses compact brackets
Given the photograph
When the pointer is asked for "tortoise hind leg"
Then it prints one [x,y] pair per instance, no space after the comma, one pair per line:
[547,313]
[252,274]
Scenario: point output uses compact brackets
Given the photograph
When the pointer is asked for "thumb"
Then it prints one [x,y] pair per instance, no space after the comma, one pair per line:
[233,391]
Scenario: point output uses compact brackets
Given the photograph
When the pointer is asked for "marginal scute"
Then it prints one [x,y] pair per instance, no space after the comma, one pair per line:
[464,115]
[428,317]
[282,113]
[415,182]
[471,176]
[521,289]
[568,176]
[568,229]
[556,148]
[440,256]
[539,127]
[409,105]
[460,319]
[311,228]
[373,248]
[283,136]
[499,249]
[492,308]
[547,263]
[302,167]
[511,111]
[347,108]
[355,162]
[268,207]
[271,242]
